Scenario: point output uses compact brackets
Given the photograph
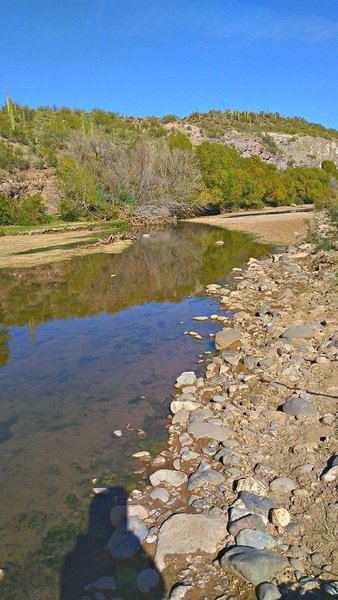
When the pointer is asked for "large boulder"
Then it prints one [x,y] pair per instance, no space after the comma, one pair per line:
[189,534]
[227,337]
[255,566]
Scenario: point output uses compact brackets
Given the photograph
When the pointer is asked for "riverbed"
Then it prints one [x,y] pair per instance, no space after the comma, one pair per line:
[88,347]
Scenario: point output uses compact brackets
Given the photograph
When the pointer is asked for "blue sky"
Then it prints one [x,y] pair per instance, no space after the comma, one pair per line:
[154,57]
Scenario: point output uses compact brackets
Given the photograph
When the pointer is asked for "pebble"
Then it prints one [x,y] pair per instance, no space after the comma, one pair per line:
[280,517]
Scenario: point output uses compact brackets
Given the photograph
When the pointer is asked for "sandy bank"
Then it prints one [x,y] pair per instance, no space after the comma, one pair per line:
[11,247]
[278,228]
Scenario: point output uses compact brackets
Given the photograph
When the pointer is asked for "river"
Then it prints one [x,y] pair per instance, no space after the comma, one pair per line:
[89,346]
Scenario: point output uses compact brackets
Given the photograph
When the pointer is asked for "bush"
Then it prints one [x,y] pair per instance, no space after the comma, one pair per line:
[26,211]
[6,210]
[180,141]
[69,209]
[329,167]
[31,211]
[12,158]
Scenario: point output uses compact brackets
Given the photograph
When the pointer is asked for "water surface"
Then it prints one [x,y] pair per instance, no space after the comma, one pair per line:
[89,346]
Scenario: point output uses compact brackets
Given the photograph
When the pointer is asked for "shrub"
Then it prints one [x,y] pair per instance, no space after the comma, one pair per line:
[26,211]
[180,141]
[269,143]
[6,210]
[31,211]
[329,167]
[12,158]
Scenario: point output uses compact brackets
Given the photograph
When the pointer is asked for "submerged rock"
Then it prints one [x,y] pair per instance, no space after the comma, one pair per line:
[188,534]
[147,580]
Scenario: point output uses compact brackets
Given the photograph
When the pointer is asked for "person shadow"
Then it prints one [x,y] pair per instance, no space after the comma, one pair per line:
[105,565]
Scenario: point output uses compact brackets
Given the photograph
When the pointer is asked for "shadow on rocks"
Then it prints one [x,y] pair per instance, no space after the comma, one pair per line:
[309,588]
[115,568]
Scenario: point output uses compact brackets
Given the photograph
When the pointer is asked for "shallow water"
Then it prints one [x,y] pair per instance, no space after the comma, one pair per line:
[86,347]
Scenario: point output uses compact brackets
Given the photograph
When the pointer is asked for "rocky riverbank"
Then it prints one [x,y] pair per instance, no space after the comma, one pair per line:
[243,502]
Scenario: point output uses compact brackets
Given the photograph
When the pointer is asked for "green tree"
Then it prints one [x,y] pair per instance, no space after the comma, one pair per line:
[79,188]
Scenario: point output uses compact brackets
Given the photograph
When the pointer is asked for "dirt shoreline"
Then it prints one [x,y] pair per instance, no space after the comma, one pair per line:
[11,245]
[280,228]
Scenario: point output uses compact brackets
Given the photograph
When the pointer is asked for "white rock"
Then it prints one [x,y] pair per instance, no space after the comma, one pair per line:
[188,405]
[144,454]
[186,378]
[280,517]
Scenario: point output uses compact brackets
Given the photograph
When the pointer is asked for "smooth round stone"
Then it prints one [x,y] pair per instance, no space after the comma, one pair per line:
[147,580]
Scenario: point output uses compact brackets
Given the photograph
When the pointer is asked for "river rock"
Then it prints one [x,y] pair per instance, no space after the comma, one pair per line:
[250,484]
[203,476]
[255,538]
[181,417]
[251,521]
[226,337]
[127,538]
[297,407]
[267,591]
[147,580]
[160,494]
[186,378]
[298,331]
[282,484]
[280,517]
[189,534]
[256,504]
[255,566]
[200,429]
[169,476]
[188,405]
[179,592]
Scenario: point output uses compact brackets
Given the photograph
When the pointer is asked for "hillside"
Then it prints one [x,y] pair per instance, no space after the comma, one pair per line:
[81,158]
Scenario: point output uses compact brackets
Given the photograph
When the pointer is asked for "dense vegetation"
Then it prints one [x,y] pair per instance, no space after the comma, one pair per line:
[110,166]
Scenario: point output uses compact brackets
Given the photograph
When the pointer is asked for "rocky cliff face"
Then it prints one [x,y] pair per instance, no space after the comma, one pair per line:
[287,150]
